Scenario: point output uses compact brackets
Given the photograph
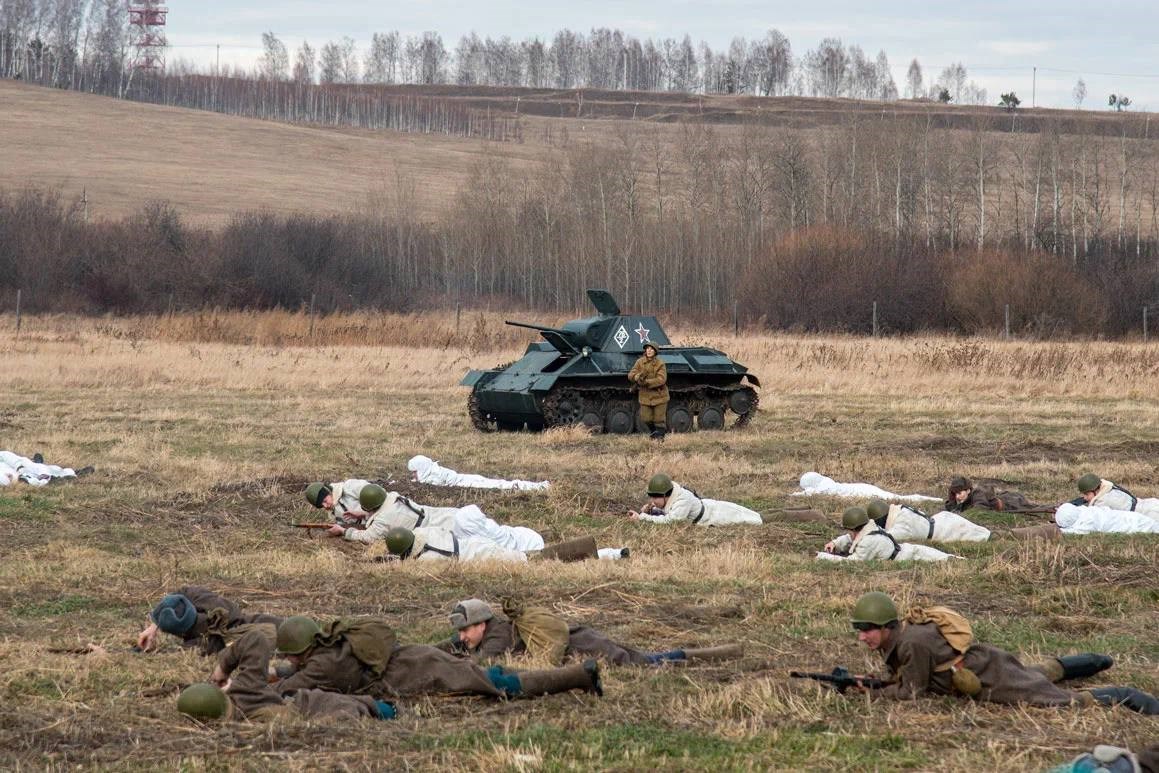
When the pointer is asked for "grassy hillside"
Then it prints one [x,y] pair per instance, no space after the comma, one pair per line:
[202,444]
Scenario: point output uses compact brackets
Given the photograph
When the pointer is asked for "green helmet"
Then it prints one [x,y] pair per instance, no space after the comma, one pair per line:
[659,485]
[854,518]
[296,635]
[371,497]
[877,508]
[1089,482]
[203,701]
[876,608]
[399,541]
[316,492]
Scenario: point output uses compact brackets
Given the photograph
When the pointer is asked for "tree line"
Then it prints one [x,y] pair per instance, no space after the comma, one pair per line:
[85,45]
[800,229]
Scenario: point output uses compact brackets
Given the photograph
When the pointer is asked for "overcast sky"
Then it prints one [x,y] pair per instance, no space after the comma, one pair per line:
[1111,45]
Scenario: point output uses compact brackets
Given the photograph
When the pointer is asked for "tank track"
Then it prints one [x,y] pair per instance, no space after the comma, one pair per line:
[599,400]
[476,412]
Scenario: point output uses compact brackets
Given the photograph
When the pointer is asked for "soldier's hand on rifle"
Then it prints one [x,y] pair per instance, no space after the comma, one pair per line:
[337,530]
[147,639]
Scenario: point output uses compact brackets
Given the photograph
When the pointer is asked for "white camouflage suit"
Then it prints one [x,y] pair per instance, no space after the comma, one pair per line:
[909,525]
[684,505]
[428,471]
[435,543]
[1112,497]
[1088,520]
[347,509]
[464,522]
[872,543]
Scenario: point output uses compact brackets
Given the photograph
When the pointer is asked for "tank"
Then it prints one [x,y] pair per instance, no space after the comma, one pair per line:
[578,374]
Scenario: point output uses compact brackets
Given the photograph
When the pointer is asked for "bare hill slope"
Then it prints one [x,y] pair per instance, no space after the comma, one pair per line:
[211,166]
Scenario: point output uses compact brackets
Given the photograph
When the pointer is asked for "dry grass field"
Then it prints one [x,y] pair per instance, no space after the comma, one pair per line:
[204,430]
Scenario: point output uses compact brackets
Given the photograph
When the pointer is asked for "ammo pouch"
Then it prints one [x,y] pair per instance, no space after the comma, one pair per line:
[957,632]
[545,634]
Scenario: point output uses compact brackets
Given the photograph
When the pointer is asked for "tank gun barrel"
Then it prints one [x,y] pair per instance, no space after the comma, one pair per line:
[540,328]
[564,340]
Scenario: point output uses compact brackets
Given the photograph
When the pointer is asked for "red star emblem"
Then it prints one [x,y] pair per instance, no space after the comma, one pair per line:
[642,332]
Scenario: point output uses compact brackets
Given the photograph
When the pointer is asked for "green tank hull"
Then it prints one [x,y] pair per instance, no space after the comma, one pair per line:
[579,375]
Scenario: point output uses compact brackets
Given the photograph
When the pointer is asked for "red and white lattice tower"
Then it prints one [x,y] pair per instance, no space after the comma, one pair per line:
[147,34]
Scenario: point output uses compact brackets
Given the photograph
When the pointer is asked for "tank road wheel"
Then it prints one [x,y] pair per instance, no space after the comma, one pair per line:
[621,419]
[711,417]
[564,408]
[679,417]
[593,421]
[746,399]
[478,418]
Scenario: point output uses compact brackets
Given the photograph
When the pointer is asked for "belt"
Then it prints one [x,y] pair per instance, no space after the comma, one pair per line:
[422,516]
[699,515]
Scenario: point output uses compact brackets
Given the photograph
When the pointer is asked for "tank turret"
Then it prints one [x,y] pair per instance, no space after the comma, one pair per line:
[578,375]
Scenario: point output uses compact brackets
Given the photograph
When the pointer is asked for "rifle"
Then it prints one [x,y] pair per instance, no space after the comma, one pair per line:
[312,525]
[841,680]
[93,649]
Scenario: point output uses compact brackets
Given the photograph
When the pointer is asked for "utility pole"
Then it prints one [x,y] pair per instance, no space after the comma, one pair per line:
[1034,87]
[84,200]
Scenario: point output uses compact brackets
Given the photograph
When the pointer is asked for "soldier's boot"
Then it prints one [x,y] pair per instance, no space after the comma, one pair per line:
[37,458]
[1047,531]
[1127,697]
[572,550]
[582,676]
[660,658]
[720,652]
[659,431]
[1077,666]
[796,515]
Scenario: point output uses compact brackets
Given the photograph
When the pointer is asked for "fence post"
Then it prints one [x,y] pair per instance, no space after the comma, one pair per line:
[735,319]
[18,293]
[169,312]
[1144,324]
[1008,322]
[312,297]
[875,319]
[458,313]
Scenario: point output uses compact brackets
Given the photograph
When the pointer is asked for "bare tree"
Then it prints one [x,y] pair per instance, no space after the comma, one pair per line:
[913,80]
[304,64]
[382,58]
[1079,93]
[953,79]
[330,63]
[886,87]
[827,67]
[274,64]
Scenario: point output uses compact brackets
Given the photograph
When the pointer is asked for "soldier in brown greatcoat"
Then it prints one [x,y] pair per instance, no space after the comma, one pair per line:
[650,377]
[920,661]
[200,618]
[965,495]
[361,657]
[480,635]
[243,671]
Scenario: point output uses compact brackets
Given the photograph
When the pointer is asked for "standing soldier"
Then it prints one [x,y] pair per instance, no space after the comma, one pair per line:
[481,635]
[668,501]
[650,377]
[361,657]
[1103,493]
[920,660]
[908,524]
[200,618]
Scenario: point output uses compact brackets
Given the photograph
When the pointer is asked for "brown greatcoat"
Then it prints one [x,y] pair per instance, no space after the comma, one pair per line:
[217,616]
[651,377]
[986,498]
[915,650]
[500,638]
[247,661]
[413,669]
